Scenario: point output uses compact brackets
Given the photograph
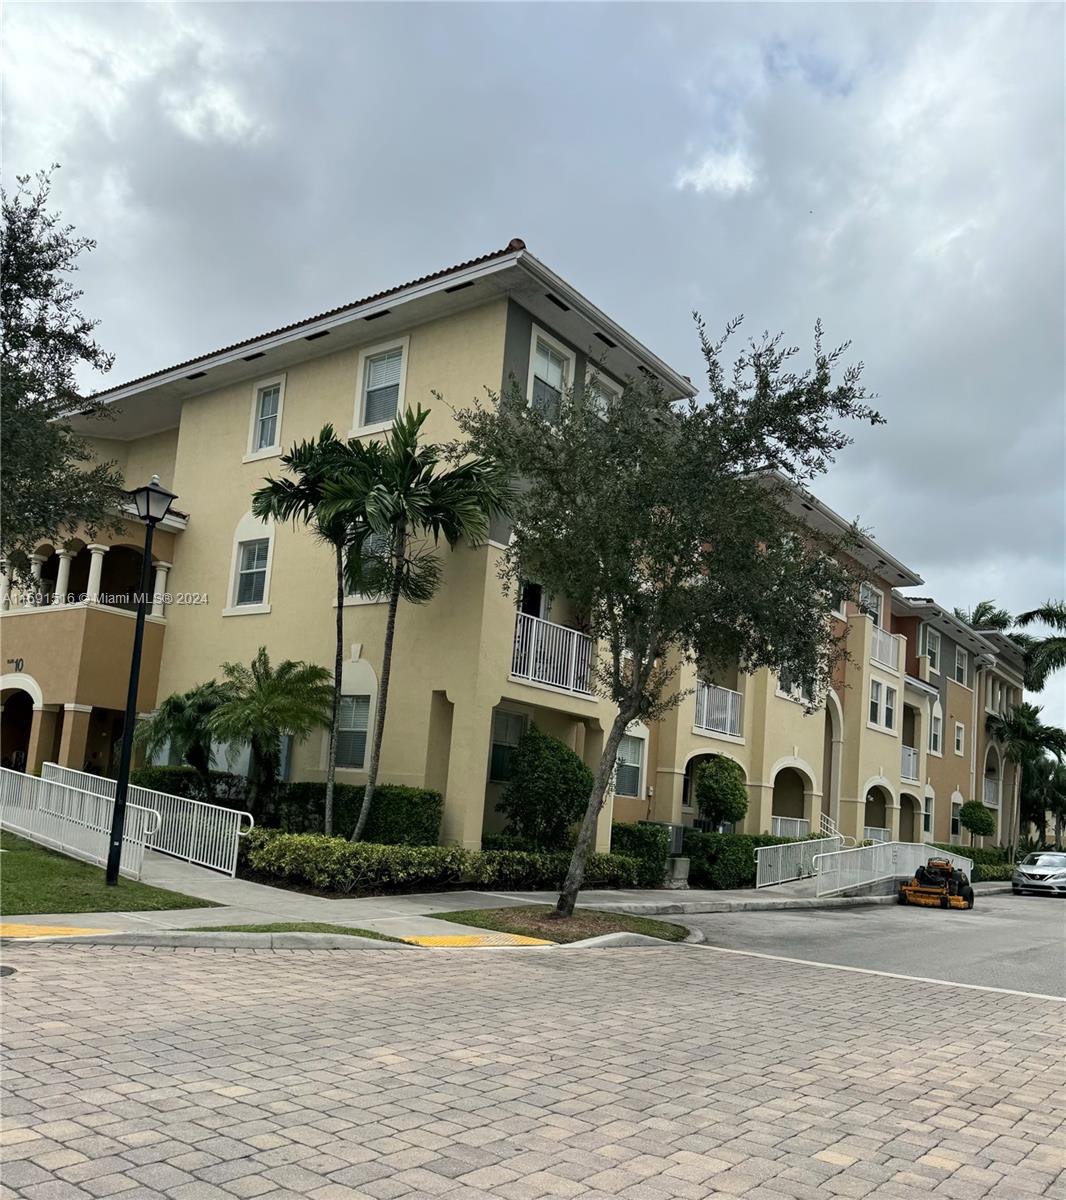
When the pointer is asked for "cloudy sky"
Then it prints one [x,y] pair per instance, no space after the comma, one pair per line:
[895,170]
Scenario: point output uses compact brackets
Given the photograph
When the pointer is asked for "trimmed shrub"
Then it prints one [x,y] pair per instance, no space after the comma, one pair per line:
[721,794]
[992,856]
[399,816]
[977,819]
[648,844]
[231,791]
[985,872]
[724,860]
[547,793]
[337,865]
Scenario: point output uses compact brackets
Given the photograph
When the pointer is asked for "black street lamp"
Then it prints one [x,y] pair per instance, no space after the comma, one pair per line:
[152,503]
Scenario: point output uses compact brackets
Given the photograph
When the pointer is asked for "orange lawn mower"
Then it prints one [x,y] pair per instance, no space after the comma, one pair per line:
[938,884]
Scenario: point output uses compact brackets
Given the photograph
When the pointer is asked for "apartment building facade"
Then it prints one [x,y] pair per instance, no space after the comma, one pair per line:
[476,666]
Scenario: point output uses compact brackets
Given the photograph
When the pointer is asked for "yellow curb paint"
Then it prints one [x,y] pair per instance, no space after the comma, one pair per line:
[32,931]
[478,939]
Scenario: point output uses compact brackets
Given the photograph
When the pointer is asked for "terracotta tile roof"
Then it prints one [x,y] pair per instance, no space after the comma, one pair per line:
[512,247]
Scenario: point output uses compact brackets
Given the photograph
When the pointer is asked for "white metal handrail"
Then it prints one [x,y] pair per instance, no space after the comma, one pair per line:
[908,765]
[792,860]
[553,654]
[205,834]
[839,870]
[73,820]
[876,833]
[718,709]
[884,648]
[794,827]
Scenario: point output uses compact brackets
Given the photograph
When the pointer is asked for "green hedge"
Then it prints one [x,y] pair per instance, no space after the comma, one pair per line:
[648,844]
[724,860]
[337,865]
[986,872]
[989,856]
[399,816]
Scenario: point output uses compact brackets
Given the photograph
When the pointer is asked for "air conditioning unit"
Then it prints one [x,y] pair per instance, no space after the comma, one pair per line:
[677,834]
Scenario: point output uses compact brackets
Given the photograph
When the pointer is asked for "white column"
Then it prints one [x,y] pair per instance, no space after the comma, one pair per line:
[161,569]
[37,561]
[96,568]
[63,577]
[5,585]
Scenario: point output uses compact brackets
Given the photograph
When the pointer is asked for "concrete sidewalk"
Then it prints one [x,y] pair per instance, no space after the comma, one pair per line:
[248,903]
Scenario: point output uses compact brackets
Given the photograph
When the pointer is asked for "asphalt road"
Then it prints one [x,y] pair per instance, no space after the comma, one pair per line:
[1004,941]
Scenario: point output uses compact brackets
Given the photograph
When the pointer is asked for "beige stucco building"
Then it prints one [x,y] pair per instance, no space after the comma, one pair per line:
[475,666]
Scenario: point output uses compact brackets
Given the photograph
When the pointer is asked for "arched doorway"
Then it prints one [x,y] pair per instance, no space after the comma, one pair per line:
[15,724]
[876,821]
[993,778]
[910,821]
[788,805]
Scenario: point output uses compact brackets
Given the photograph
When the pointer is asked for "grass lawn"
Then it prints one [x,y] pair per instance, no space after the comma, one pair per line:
[533,920]
[295,927]
[35,880]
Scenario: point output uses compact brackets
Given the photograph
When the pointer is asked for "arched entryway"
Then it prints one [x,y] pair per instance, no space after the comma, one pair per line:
[876,822]
[993,778]
[910,818]
[790,809]
[688,792]
[16,722]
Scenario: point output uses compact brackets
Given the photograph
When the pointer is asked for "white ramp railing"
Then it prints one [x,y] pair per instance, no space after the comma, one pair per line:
[73,820]
[204,834]
[840,870]
[791,860]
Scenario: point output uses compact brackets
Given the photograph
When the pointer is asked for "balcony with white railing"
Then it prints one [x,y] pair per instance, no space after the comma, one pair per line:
[908,767]
[991,792]
[554,655]
[718,710]
[791,827]
[885,648]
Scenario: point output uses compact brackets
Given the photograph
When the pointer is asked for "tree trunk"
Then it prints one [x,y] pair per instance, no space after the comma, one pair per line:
[338,661]
[1015,811]
[383,690]
[575,875]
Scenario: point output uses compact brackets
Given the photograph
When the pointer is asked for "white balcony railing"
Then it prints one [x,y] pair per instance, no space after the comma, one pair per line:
[874,833]
[718,709]
[991,794]
[884,648]
[793,827]
[908,767]
[553,654]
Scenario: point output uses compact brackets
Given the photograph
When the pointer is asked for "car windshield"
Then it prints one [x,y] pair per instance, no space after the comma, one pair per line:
[1045,860]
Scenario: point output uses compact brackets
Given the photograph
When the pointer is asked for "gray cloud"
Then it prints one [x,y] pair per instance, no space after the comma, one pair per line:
[896,170]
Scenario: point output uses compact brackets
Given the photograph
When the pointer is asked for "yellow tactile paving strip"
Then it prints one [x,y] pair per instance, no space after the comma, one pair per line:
[32,931]
[478,939]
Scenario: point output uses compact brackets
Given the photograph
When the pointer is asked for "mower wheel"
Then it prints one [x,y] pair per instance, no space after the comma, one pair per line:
[902,897]
[945,902]
[967,895]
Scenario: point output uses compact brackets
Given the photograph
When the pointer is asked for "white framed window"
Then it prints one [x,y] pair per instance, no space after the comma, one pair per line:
[871,601]
[962,663]
[936,734]
[250,568]
[927,815]
[507,731]
[382,375]
[956,824]
[629,765]
[932,647]
[353,724]
[600,392]
[890,708]
[960,738]
[789,687]
[264,433]
[875,701]
[550,374]
[377,544]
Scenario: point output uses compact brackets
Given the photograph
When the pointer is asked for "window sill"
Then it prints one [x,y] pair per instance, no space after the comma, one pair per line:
[245,610]
[259,455]
[377,427]
[937,753]
[733,738]
[881,729]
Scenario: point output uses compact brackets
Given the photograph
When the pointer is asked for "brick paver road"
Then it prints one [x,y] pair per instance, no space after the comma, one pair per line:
[643,1074]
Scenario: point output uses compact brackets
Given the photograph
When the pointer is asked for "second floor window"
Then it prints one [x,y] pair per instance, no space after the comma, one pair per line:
[382,386]
[890,708]
[936,733]
[871,601]
[875,702]
[960,737]
[927,815]
[251,571]
[266,417]
[630,758]
[961,663]
[549,380]
[351,734]
[932,647]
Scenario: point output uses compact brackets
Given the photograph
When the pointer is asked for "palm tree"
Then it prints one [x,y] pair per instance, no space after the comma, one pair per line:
[181,723]
[397,502]
[300,500]
[263,704]
[1045,654]
[1023,738]
[986,614]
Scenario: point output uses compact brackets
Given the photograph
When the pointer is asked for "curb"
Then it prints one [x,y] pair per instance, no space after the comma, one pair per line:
[611,941]
[725,906]
[222,941]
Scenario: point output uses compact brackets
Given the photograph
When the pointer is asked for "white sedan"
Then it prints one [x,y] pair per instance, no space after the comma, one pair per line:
[1043,871]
